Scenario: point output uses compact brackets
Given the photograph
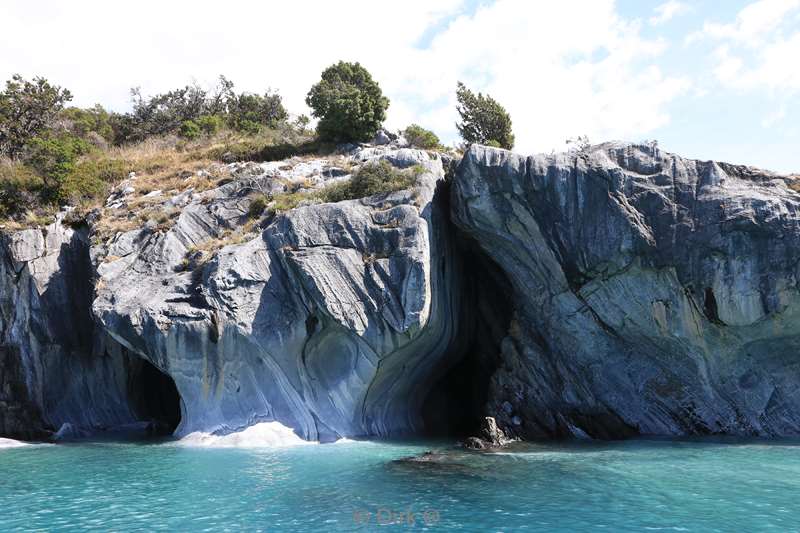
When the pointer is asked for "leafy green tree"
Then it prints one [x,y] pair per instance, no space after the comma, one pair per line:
[86,122]
[246,110]
[27,109]
[483,120]
[418,136]
[349,104]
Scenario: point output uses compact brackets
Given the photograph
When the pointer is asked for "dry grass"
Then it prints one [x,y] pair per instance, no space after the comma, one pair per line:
[200,254]
[164,163]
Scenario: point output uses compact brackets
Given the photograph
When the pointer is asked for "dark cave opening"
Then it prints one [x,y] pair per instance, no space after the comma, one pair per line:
[710,306]
[456,404]
[155,398]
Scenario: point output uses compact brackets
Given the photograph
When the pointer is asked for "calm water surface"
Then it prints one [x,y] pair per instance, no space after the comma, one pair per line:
[625,486]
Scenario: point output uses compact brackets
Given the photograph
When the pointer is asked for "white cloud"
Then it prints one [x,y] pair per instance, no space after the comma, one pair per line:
[759,50]
[562,69]
[755,22]
[773,118]
[667,11]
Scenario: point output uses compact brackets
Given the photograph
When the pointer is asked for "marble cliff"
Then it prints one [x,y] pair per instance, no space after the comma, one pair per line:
[605,292]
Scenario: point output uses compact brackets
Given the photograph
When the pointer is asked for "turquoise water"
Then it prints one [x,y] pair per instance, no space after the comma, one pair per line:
[626,486]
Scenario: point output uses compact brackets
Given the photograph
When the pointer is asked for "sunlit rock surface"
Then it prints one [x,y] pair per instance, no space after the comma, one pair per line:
[601,293]
[332,320]
[652,294]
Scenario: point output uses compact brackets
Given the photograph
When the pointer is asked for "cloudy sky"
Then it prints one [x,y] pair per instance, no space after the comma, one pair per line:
[708,79]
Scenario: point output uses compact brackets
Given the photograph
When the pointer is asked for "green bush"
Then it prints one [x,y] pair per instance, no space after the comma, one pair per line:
[372,179]
[189,130]
[210,124]
[348,103]
[418,136]
[248,112]
[84,122]
[483,120]
[19,189]
[247,126]
[168,112]
[27,110]
[53,158]
[92,178]
[257,207]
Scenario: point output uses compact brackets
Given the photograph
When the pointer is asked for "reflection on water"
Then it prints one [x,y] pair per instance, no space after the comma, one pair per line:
[634,485]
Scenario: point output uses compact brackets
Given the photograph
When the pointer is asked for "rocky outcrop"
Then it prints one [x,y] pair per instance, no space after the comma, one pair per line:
[652,294]
[608,292]
[333,320]
[54,367]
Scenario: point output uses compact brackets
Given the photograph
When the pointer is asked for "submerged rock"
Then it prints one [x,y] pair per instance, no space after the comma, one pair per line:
[491,437]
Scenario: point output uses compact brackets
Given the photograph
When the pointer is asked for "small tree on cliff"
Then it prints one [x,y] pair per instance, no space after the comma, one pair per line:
[483,120]
[27,109]
[348,103]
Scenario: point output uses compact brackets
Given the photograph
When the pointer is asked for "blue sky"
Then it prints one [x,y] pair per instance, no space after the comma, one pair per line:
[712,80]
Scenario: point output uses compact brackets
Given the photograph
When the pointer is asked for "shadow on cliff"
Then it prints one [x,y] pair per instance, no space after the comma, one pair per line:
[456,404]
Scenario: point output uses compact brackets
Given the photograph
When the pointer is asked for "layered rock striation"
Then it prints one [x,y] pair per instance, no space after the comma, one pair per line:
[607,292]
[653,294]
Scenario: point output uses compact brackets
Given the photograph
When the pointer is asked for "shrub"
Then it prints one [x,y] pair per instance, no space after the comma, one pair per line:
[348,103]
[19,189]
[54,158]
[84,182]
[248,112]
[92,178]
[371,179]
[167,112]
[483,120]
[189,130]
[27,109]
[247,126]
[418,136]
[210,124]
[257,207]
[84,122]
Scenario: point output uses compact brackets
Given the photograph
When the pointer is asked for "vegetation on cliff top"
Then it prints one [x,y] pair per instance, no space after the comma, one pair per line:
[52,155]
[483,119]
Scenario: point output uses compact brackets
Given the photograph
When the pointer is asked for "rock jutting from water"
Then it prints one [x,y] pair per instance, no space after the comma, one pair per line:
[603,293]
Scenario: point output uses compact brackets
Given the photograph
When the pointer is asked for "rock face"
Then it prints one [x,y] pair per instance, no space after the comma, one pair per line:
[54,366]
[601,293]
[332,321]
[652,294]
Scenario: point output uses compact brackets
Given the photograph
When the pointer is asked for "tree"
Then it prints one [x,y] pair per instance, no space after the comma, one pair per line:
[27,109]
[349,104]
[483,120]
[247,109]
[168,112]
[418,136]
[88,123]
